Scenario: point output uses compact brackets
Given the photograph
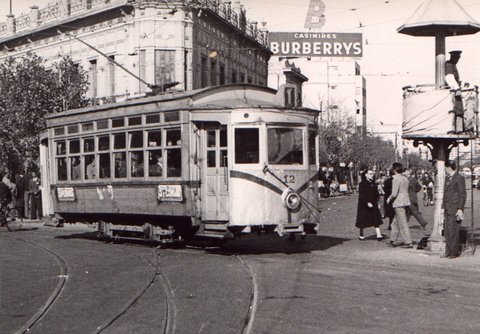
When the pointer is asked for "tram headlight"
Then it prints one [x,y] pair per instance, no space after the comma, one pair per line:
[291,199]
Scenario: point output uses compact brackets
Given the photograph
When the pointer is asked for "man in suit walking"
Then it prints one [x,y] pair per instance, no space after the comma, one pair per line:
[413,188]
[400,202]
[453,204]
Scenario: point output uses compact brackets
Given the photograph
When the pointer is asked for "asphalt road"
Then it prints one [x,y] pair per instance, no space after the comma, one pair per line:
[330,283]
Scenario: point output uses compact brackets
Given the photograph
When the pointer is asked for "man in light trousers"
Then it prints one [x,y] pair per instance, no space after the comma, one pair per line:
[400,201]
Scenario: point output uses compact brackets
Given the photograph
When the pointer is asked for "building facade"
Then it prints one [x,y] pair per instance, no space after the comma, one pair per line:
[182,44]
[342,92]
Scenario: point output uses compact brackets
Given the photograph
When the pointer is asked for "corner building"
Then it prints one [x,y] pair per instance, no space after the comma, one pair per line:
[195,43]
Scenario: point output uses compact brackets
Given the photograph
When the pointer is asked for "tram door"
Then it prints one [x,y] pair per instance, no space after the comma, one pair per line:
[215,175]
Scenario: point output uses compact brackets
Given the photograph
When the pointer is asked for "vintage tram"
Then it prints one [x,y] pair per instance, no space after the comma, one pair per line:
[216,162]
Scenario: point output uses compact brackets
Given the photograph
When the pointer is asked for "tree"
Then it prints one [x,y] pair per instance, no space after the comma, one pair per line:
[29,90]
[340,143]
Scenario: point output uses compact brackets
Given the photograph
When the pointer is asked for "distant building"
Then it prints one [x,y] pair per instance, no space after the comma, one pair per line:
[341,91]
[284,75]
[194,43]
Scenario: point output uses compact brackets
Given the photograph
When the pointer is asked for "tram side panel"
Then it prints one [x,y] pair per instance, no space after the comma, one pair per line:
[140,197]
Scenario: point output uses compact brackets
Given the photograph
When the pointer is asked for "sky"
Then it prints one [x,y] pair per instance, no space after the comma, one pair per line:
[390,60]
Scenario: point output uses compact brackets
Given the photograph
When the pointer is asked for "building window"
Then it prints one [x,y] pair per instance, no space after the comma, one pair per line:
[234,76]
[164,67]
[213,72]
[222,74]
[242,77]
[111,74]
[204,72]
[93,78]
[142,70]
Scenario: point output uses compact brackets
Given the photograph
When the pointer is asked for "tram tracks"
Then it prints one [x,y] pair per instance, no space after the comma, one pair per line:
[252,309]
[54,296]
[156,278]
[169,324]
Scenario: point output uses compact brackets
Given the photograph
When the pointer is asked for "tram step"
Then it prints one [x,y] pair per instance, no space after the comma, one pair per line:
[215,227]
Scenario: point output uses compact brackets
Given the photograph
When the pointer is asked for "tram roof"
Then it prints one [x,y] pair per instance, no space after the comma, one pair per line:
[232,96]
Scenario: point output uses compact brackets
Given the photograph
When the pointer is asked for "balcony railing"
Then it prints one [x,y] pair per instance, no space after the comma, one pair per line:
[439,113]
[53,12]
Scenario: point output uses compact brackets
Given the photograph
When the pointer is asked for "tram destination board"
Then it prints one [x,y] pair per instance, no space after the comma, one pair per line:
[316,44]
[169,193]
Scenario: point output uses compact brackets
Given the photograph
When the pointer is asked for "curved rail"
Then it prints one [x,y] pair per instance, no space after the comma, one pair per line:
[252,309]
[170,316]
[56,292]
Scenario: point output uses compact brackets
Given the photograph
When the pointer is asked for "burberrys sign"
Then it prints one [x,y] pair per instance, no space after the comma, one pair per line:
[310,44]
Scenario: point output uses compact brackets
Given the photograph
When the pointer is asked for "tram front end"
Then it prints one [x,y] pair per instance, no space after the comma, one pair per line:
[273,175]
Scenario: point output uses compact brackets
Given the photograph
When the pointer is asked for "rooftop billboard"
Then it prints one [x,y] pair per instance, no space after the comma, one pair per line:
[316,44]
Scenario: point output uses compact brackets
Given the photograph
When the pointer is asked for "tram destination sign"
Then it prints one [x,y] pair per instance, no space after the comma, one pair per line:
[316,44]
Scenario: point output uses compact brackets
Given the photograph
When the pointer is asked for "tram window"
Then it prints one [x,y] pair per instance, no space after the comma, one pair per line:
[174,163]
[119,141]
[136,164]
[120,164]
[75,168]
[172,116]
[155,163]
[136,139]
[74,146]
[285,146]
[211,159]
[90,167]
[311,147]
[153,118]
[104,165]
[61,148]
[247,146]
[223,158]
[118,122]
[72,128]
[154,138]
[174,137]
[59,131]
[88,145]
[62,169]
[87,126]
[102,124]
[211,138]
[104,143]
[135,121]
[223,137]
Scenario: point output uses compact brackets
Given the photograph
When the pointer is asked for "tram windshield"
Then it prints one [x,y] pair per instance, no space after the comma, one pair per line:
[247,147]
[285,146]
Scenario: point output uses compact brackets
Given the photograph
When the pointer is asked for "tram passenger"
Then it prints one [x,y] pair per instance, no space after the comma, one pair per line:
[155,168]
[368,214]
[452,79]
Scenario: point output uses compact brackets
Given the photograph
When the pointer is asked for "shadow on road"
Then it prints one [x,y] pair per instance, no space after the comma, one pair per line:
[274,244]
[262,244]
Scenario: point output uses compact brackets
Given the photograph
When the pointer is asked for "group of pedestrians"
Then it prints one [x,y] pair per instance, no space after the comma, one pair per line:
[397,200]
[20,193]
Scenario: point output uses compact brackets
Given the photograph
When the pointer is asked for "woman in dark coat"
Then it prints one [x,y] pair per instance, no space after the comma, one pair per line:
[368,214]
